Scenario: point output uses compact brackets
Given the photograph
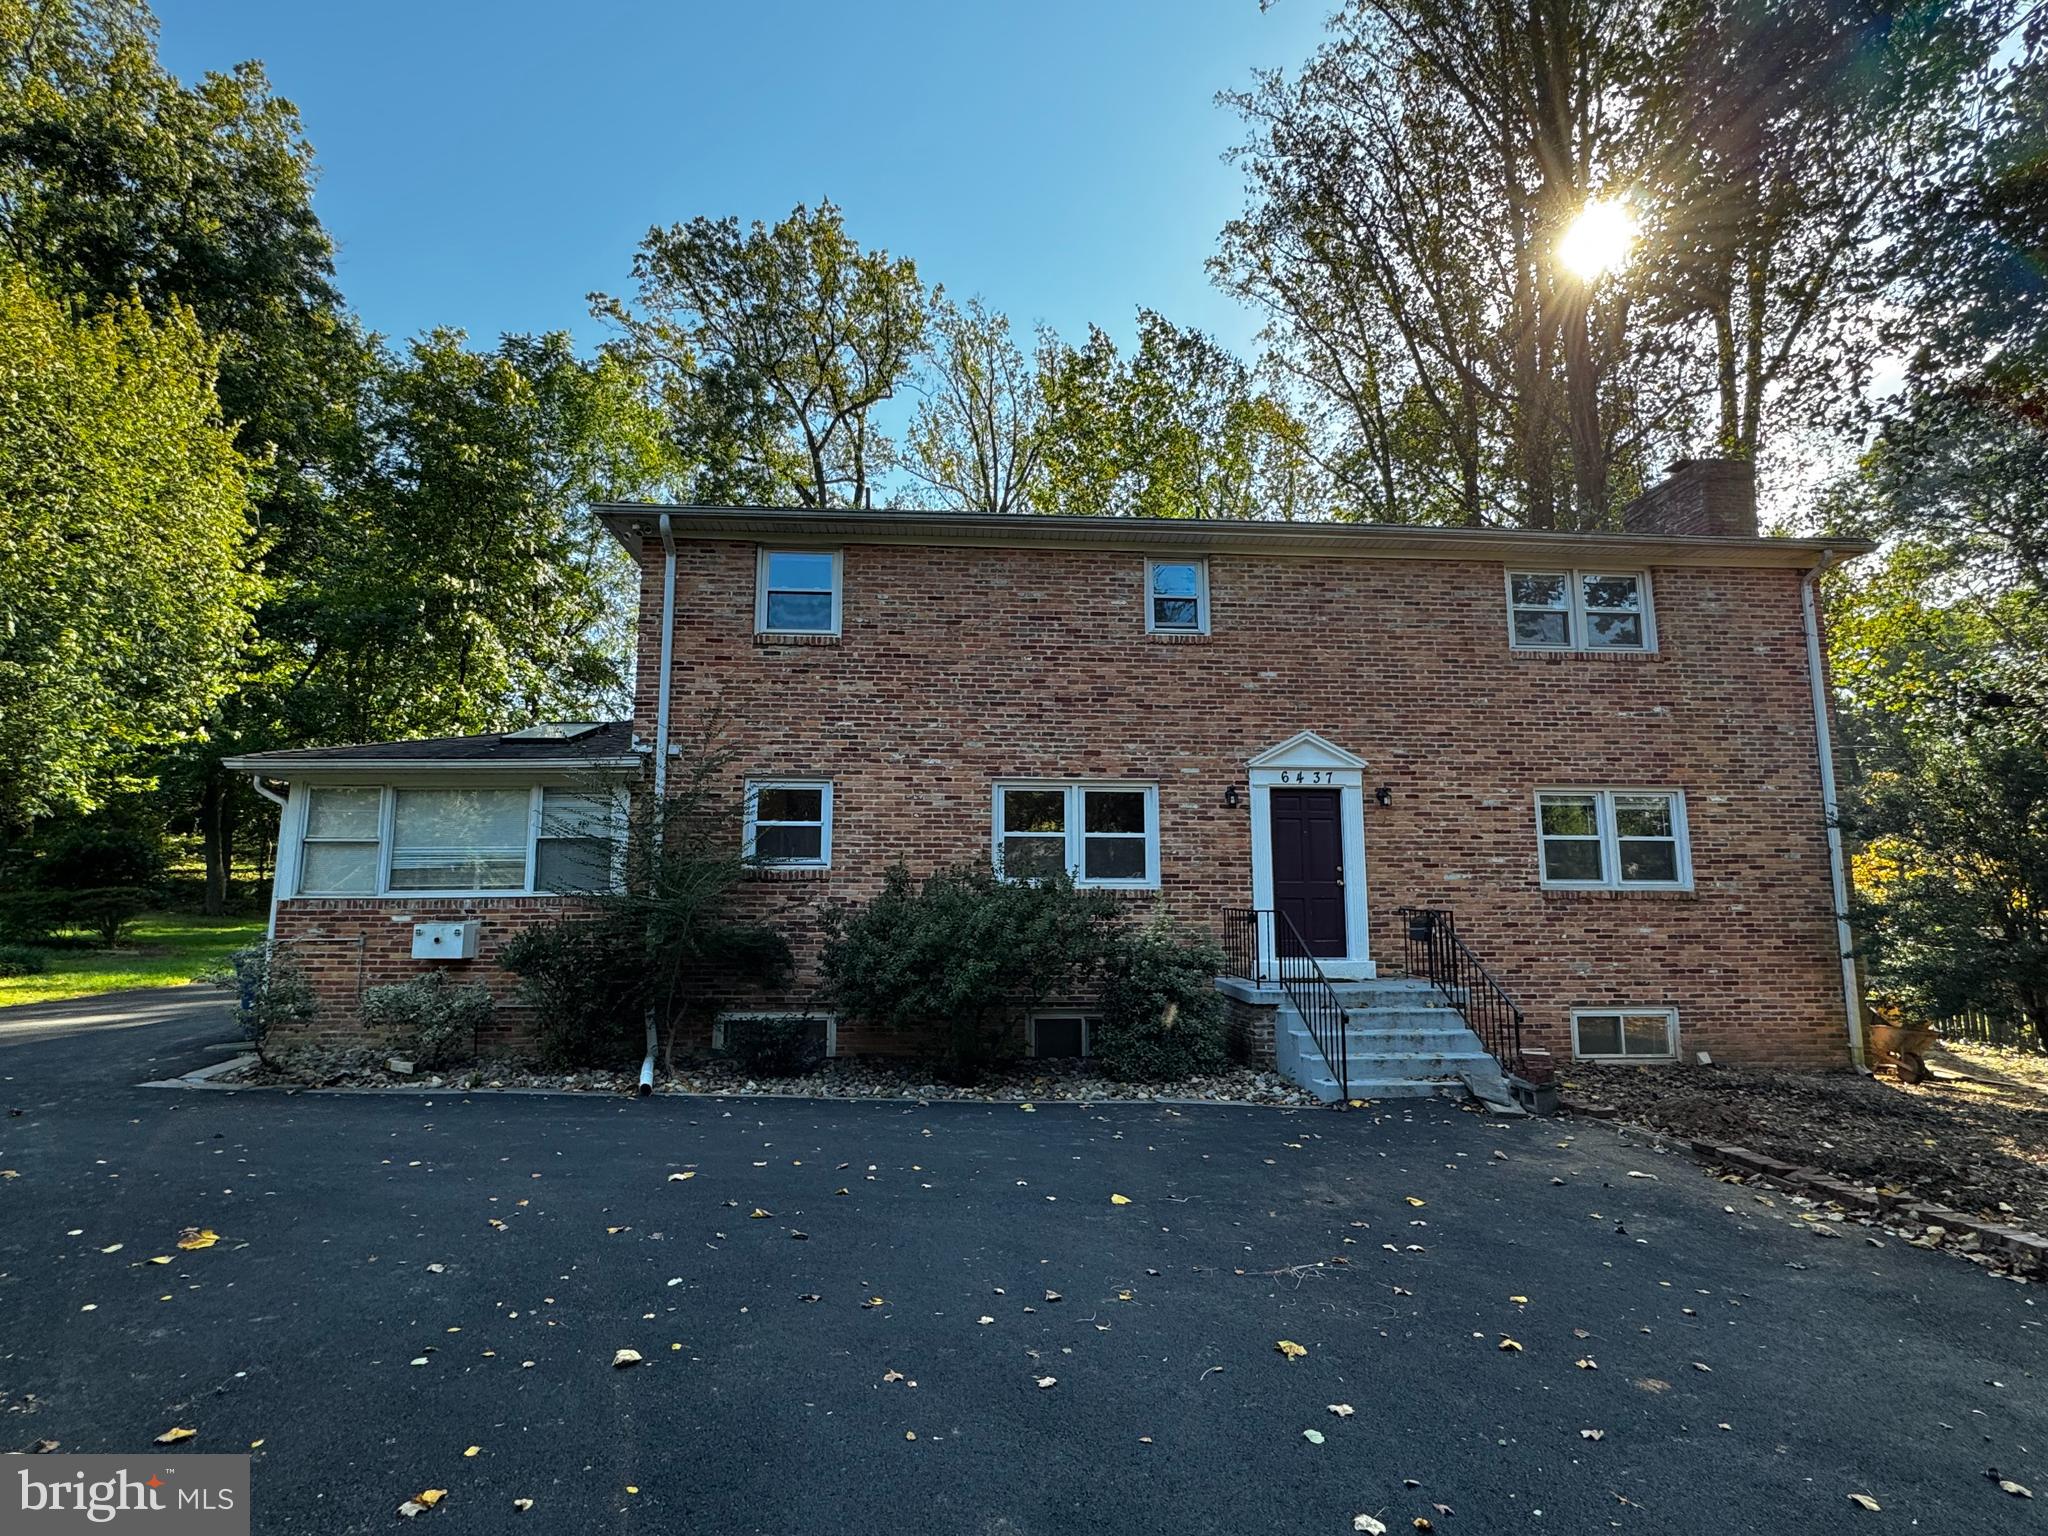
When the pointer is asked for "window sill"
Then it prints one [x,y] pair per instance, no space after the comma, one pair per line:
[797,876]
[769,637]
[1558,655]
[1558,893]
[1626,1061]
[1178,636]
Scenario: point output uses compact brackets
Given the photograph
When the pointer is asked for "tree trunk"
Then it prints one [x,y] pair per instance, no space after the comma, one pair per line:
[213,814]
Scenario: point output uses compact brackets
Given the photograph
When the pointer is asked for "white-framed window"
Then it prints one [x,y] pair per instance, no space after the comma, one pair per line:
[458,840]
[1061,1033]
[1625,1034]
[797,592]
[1177,597]
[1583,610]
[822,1027]
[1613,839]
[789,823]
[1102,834]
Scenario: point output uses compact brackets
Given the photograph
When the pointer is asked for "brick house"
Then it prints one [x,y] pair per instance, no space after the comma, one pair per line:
[1601,760]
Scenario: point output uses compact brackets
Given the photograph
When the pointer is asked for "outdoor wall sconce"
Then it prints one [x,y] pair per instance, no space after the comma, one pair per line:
[1384,794]
[1230,797]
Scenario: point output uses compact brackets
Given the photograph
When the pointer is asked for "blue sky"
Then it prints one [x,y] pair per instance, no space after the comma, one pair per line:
[487,166]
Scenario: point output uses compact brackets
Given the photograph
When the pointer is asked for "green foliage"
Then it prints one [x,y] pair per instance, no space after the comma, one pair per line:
[98,852]
[21,960]
[586,981]
[771,348]
[1161,1015]
[1178,429]
[108,913]
[123,587]
[977,439]
[430,1019]
[966,951]
[32,916]
[272,991]
[773,1046]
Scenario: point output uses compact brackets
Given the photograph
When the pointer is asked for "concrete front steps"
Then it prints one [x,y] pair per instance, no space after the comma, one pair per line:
[1403,1042]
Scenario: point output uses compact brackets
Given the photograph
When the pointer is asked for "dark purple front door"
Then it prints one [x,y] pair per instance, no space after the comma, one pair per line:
[1308,868]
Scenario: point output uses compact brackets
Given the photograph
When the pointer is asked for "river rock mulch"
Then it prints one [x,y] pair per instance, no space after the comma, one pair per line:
[839,1078]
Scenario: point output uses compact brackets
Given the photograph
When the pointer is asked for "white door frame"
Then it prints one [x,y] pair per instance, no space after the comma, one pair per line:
[1307,761]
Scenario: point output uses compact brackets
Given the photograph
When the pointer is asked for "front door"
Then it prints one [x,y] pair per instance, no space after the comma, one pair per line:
[1308,868]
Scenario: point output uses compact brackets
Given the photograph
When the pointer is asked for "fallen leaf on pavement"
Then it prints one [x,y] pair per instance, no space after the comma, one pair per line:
[626,1357]
[1592,1434]
[472,1450]
[174,1436]
[757,1214]
[1511,1346]
[1520,1301]
[1312,1436]
[1587,1363]
[522,1505]
[197,1237]
[1864,1501]
[1342,1410]
[1418,1204]
[984,1319]
[1119,1199]
[674,1178]
[1290,1349]
[1368,1525]
[2007,1485]
[892,1375]
[1047,1381]
[872,1301]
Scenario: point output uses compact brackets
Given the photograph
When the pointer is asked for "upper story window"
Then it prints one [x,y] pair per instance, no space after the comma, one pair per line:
[1613,839]
[458,840]
[1580,611]
[797,592]
[789,823]
[1103,834]
[1177,597]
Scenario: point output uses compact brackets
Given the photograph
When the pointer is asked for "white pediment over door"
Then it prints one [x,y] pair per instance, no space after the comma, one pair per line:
[1307,750]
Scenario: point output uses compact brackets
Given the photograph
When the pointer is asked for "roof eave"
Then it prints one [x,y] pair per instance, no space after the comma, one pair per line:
[274,765]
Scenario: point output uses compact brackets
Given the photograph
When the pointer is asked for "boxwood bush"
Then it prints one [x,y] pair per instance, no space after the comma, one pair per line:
[430,1019]
[1161,1015]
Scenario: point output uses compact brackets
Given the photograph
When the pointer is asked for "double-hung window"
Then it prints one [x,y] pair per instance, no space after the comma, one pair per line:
[1613,839]
[789,823]
[1580,611]
[1102,834]
[1177,597]
[797,592]
[457,839]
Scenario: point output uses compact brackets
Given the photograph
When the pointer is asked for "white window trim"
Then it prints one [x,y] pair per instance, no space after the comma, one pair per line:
[1074,790]
[829,1020]
[824,823]
[1201,624]
[387,812]
[1610,841]
[761,588]
[1669,1015]
[1088,1023]
[1575,609]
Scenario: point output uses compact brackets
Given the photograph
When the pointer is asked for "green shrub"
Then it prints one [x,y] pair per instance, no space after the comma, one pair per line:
[782,1045]
[20,960]
[964,951]
[32,916]
[272,990]
[587,981]
[108,912]
[99,853]
[429,1018]
[1161,1015]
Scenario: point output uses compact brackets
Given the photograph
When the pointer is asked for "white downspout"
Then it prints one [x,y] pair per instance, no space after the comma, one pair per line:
[1852,1000]
[668,651]
[256,783]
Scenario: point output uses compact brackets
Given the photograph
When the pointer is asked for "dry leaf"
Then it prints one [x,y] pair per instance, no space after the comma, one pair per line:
[472,1450]
[1047,1381]
[1864,1501]
[2007,1485]
[1422,1523]
[1511,1346]
[1587,1363]
[872,1301]
[1368,1525]
[1520,1301]
[1054,1296]
[1418,1204]
[522,1505]
[197,1237]
[910,1434]
[1699,1366]
[674,1178]
[1592,1434]
[1312,1436]
[984,1319]
[419,1360]
[892,1375]
[175,1436]
[626,1357]
[757,1214]
[163,1258]
[113,1248]
[1342,1410]
[1290,1349]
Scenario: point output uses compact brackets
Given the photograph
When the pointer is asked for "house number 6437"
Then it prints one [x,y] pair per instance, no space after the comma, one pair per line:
[1304,776]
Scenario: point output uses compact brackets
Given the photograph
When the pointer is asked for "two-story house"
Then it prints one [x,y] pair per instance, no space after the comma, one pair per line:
[1606,756]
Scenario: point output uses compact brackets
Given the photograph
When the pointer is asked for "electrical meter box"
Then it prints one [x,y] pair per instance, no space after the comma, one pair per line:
[445,941]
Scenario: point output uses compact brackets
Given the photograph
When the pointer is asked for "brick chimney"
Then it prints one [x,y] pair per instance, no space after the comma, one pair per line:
[1699,497]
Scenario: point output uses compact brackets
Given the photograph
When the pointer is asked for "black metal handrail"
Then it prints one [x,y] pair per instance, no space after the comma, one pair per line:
[1436,954]
[1295,968]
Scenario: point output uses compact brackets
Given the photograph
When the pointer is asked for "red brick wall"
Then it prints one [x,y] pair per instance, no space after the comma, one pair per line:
[958,667]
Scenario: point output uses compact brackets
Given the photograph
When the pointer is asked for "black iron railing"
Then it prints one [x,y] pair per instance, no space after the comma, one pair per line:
[1264,945]
[1436,954]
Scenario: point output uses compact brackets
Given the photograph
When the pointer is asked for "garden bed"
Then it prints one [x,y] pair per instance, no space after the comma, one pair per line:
[840,1078]
[1973,1137]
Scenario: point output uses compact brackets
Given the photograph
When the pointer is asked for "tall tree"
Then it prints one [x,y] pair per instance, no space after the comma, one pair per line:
[1180,428]
[976,442]
[123,591]
[772,347]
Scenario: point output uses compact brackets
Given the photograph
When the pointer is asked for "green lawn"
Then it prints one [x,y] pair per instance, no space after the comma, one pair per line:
[161,950]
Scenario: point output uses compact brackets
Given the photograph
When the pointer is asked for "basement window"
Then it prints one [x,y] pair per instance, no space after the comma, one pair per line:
[1632,1034]
[1068,1035]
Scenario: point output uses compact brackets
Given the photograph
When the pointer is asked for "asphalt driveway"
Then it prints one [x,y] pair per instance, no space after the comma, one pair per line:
[846,1311]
